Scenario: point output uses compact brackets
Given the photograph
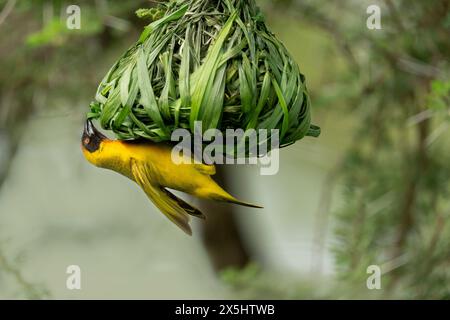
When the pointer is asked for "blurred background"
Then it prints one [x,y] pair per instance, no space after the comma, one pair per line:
[373,189]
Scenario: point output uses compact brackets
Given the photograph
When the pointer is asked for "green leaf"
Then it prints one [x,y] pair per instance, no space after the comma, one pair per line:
[148,99]
[264,95]
[183,82]
[166,19]
[214,100]
[124,84]
[169,86]
[245,89]
[111,107]
[282,104]
[207,74]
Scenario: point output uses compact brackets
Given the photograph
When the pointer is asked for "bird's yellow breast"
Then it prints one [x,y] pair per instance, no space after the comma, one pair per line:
[111,154]
[116,155]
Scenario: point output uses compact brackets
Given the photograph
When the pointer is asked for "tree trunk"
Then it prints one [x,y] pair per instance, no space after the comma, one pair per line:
[221,235]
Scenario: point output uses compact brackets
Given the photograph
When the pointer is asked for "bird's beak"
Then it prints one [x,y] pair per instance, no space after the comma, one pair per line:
[88,128]
[90,131]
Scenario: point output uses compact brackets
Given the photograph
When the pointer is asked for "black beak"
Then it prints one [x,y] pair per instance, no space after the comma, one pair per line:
[91,131]
[89,128]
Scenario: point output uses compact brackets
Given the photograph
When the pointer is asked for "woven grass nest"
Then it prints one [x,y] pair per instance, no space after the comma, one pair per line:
[213,61]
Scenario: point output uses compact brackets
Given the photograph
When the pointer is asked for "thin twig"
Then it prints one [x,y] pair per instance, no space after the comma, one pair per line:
[30,289]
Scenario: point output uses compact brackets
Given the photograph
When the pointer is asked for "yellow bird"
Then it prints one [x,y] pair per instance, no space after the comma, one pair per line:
[150,165]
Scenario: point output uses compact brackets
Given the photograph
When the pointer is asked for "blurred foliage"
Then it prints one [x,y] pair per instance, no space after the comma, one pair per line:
[42,58]
[253,281]
[50,69]
[396,173]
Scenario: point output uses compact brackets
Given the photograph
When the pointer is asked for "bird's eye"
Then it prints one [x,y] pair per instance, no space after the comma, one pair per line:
[86,141]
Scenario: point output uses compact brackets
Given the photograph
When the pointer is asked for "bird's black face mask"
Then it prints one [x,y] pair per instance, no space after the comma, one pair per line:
[91,138]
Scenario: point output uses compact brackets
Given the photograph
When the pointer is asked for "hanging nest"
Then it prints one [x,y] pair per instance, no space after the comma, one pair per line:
[213,61]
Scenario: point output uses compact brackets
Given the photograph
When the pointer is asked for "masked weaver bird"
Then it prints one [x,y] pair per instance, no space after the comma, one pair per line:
[150,165]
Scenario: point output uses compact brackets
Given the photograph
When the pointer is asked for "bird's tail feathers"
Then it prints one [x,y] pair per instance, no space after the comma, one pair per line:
[222,195]
[242,203]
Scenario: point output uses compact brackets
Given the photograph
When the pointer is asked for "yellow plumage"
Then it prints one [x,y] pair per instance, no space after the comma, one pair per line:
[151,166]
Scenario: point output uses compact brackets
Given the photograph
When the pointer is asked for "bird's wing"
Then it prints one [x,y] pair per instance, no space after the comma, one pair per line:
[207,169]
[186,206]
[174,208]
